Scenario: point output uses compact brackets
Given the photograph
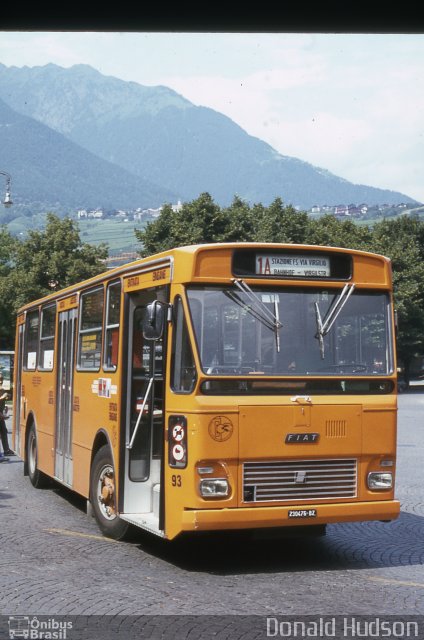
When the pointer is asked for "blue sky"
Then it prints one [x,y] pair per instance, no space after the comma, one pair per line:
[349,103]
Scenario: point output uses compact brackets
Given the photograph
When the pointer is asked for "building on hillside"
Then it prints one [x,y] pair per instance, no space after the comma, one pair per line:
[177,207]
[353,210]
[141,214]
[120,259]
[341,210]
[95,213]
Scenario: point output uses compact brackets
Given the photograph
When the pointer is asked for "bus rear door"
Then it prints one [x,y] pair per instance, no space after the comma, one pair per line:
[64,394]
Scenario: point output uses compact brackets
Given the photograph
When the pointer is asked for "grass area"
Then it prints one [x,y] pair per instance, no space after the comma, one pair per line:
[117,234]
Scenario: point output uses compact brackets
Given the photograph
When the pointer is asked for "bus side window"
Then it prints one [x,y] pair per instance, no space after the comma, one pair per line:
[31,340]
[90,330]
[48,326]
[183,374]
[113,310]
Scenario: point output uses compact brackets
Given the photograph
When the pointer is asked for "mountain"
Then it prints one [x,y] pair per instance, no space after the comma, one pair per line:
[159,136]
[53,171]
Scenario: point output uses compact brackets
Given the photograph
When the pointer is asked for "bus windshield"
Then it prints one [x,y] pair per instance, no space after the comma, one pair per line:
[316,331]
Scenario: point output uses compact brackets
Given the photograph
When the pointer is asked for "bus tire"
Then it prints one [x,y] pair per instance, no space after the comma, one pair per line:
[37,477]
[103,496]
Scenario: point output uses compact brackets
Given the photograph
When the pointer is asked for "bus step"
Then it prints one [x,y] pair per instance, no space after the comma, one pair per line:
[147,521]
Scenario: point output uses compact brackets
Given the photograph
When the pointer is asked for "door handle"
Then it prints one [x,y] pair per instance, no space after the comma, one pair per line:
[302,399]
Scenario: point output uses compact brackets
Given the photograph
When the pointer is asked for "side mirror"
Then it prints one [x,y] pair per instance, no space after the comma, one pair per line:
[154,320]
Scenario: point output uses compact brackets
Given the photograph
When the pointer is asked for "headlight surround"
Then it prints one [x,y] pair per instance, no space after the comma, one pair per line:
[214,488]
[380,481]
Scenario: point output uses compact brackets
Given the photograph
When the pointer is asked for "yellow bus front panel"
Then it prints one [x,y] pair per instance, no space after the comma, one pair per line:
[280,457]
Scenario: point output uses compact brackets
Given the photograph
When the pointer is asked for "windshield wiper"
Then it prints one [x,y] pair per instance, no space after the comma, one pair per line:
[333,313]
[258,309]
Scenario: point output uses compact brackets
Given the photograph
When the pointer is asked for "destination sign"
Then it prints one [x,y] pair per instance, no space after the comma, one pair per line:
[290,264]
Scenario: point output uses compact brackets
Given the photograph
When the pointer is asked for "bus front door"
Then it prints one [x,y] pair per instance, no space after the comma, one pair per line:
[144,419]
[64,393]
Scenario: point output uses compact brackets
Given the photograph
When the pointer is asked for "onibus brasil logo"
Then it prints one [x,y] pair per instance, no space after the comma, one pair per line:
[31,627]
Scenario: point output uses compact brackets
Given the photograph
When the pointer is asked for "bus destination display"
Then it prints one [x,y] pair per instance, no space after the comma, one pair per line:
[293,265]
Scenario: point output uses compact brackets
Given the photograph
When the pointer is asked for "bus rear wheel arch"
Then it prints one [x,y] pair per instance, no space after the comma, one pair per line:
[103,495]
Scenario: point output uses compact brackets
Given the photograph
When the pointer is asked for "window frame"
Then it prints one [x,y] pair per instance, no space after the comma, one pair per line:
[91,330]
[42,339]
[28,314]
[178,330]
[108,327]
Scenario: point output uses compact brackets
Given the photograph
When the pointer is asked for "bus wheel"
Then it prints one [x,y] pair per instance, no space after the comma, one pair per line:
[37,477]
[103,495]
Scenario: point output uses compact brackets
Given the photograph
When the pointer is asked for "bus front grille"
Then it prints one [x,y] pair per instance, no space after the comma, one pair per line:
[299,480]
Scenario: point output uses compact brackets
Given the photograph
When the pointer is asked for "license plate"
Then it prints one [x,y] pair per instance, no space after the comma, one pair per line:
[302,513]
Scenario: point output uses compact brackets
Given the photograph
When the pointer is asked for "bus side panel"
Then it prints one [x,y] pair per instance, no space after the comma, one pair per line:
[38,400]
[95,409]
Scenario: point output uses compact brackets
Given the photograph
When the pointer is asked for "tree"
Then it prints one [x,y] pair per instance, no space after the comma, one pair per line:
[44,262]
[202,221]
[402,241]
[7,250]
[239,222]
[329,231]
[280,223]
[158,235]
[198,222]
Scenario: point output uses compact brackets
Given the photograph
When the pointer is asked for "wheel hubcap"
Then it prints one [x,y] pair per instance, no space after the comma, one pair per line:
[106,493]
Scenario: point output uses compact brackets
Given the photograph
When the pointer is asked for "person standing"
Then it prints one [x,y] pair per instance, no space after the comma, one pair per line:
[7,451]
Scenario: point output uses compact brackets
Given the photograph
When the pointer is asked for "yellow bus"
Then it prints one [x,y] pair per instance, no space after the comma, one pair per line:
[215,387]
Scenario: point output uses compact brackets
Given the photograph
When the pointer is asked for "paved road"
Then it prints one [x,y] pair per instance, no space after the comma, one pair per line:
[54,562]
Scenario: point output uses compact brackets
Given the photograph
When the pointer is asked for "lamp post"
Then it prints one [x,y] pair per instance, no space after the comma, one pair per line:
[7,199]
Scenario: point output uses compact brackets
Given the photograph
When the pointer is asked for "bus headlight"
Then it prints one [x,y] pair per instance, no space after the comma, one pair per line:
[214,488]
[380,480]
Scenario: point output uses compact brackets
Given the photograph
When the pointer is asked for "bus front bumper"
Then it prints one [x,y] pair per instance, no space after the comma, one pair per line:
[286,516]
